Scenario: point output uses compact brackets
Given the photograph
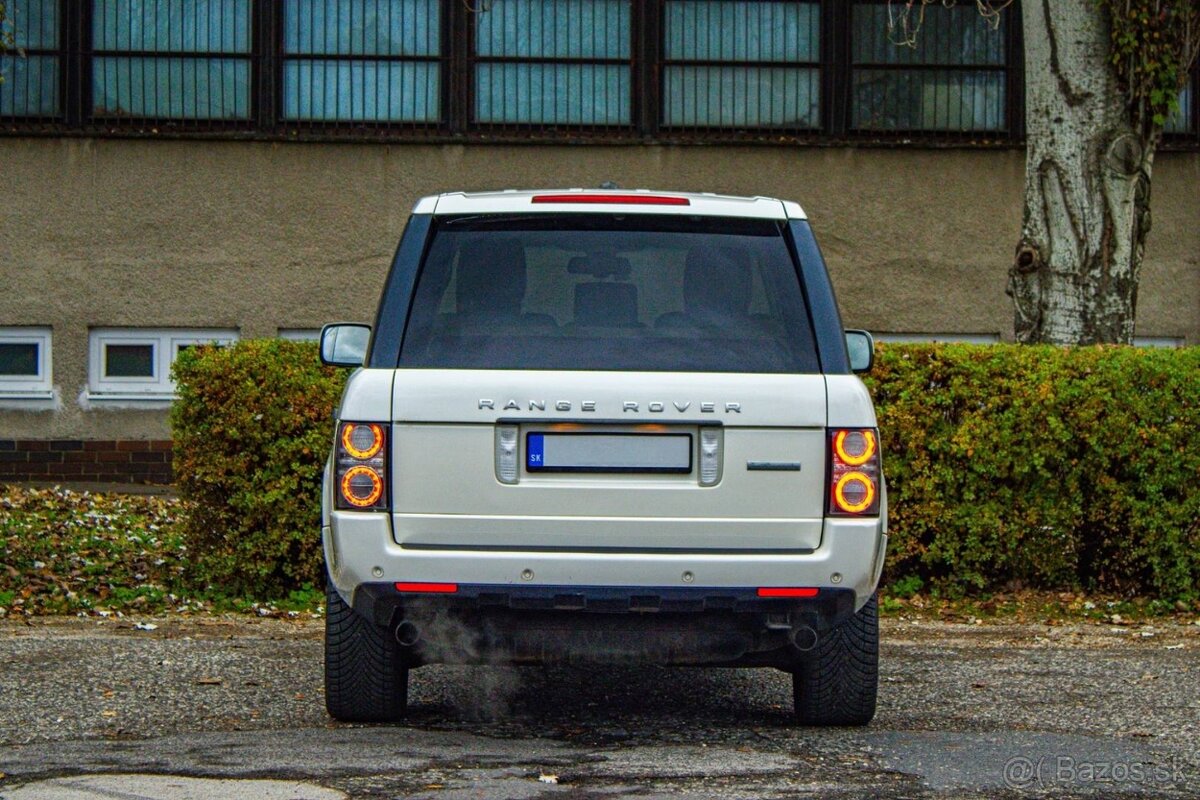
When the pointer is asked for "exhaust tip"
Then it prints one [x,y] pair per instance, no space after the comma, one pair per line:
[407,634]
[804,638]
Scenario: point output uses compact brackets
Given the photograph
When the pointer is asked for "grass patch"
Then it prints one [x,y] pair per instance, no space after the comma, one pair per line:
[66,552]
[1035,607]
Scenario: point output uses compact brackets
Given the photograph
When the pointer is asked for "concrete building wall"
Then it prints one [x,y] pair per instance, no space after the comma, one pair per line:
[262,236]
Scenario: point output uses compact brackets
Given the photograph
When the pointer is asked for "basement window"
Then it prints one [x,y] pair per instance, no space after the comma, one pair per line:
[135,363]
[300,334]
[25,364]
[937,338]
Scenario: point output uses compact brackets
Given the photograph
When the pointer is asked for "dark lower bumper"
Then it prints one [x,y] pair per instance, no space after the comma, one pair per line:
[540,624]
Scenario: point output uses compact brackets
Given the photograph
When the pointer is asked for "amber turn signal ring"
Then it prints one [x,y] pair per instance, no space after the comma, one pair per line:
[839,492]
[360,453]
[856,459]
[356,500]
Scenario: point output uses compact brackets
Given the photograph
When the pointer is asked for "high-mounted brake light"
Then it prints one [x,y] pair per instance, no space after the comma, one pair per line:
[428,588]
[854,472]
[613,199]
[360,466]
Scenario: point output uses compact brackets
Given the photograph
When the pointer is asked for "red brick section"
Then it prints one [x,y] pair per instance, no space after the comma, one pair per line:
[105,461]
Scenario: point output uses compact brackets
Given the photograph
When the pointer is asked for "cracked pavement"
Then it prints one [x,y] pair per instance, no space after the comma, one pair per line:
[965,711]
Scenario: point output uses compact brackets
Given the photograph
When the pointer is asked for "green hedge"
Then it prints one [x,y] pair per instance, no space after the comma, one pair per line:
[1042,467]
[252,428]
[1008,466]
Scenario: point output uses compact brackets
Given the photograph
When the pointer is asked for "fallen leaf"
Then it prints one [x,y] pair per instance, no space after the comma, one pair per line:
[209,681]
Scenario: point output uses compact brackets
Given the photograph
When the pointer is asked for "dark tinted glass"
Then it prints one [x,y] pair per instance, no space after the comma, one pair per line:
[129,361]
[896,87]
[19,358]
[200,67]
[744,64]
[606,292]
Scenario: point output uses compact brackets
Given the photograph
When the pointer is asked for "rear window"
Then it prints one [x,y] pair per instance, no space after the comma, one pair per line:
[609,292]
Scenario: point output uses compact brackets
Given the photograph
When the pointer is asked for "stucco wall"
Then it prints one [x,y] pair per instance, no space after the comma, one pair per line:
[259,236]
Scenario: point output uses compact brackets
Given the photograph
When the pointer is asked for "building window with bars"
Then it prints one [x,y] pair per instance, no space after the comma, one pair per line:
[29,72]
[553,62]
[741,64]
[1184,120]
[952,78]
[171,59]
[521,70]
[362,61]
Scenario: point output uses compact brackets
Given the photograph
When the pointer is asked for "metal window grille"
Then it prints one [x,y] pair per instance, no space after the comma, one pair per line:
[1184,125]
[364,64]
[538,64]
[31,73]
[164,61]
[777,71]
[952,80]
[741,66]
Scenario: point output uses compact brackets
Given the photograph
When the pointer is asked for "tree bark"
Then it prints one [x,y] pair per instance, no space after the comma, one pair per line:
[1074,277]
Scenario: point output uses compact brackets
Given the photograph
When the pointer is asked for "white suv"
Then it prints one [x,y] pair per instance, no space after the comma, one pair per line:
[604,426]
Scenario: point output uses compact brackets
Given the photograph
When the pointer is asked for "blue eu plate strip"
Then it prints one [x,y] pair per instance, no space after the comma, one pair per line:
[534,450]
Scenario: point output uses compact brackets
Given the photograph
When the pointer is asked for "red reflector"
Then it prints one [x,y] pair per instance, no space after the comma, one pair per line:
[613,199]
[786,591]
[438,588]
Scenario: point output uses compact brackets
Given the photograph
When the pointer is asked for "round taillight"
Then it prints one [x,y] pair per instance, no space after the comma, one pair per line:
[854,447]
[854,492]
[362,487]
[362,441]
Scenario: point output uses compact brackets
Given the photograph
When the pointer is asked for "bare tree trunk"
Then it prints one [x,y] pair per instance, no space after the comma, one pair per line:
[1075,275]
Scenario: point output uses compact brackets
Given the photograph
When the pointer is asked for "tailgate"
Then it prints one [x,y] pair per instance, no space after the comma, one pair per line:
[602,495]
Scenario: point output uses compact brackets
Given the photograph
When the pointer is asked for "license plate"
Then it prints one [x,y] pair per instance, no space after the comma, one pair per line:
[608,452]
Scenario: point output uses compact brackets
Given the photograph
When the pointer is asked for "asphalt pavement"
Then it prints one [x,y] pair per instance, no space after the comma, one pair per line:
[232,707]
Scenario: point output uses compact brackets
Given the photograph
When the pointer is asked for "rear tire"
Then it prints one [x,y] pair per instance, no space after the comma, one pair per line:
[837,683]
[366,679]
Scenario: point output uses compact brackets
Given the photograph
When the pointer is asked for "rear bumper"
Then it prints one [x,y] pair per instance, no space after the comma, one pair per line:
[486,623]
[558,605]
[360,550]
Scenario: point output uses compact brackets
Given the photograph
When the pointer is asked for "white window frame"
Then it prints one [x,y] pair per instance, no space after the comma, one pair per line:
[300,334]
[27,387]
[1166,342]
[938,338]
[166,343]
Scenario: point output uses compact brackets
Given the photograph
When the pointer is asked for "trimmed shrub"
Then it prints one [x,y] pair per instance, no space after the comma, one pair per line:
[1008,466]
[252,429]
[1042,467]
